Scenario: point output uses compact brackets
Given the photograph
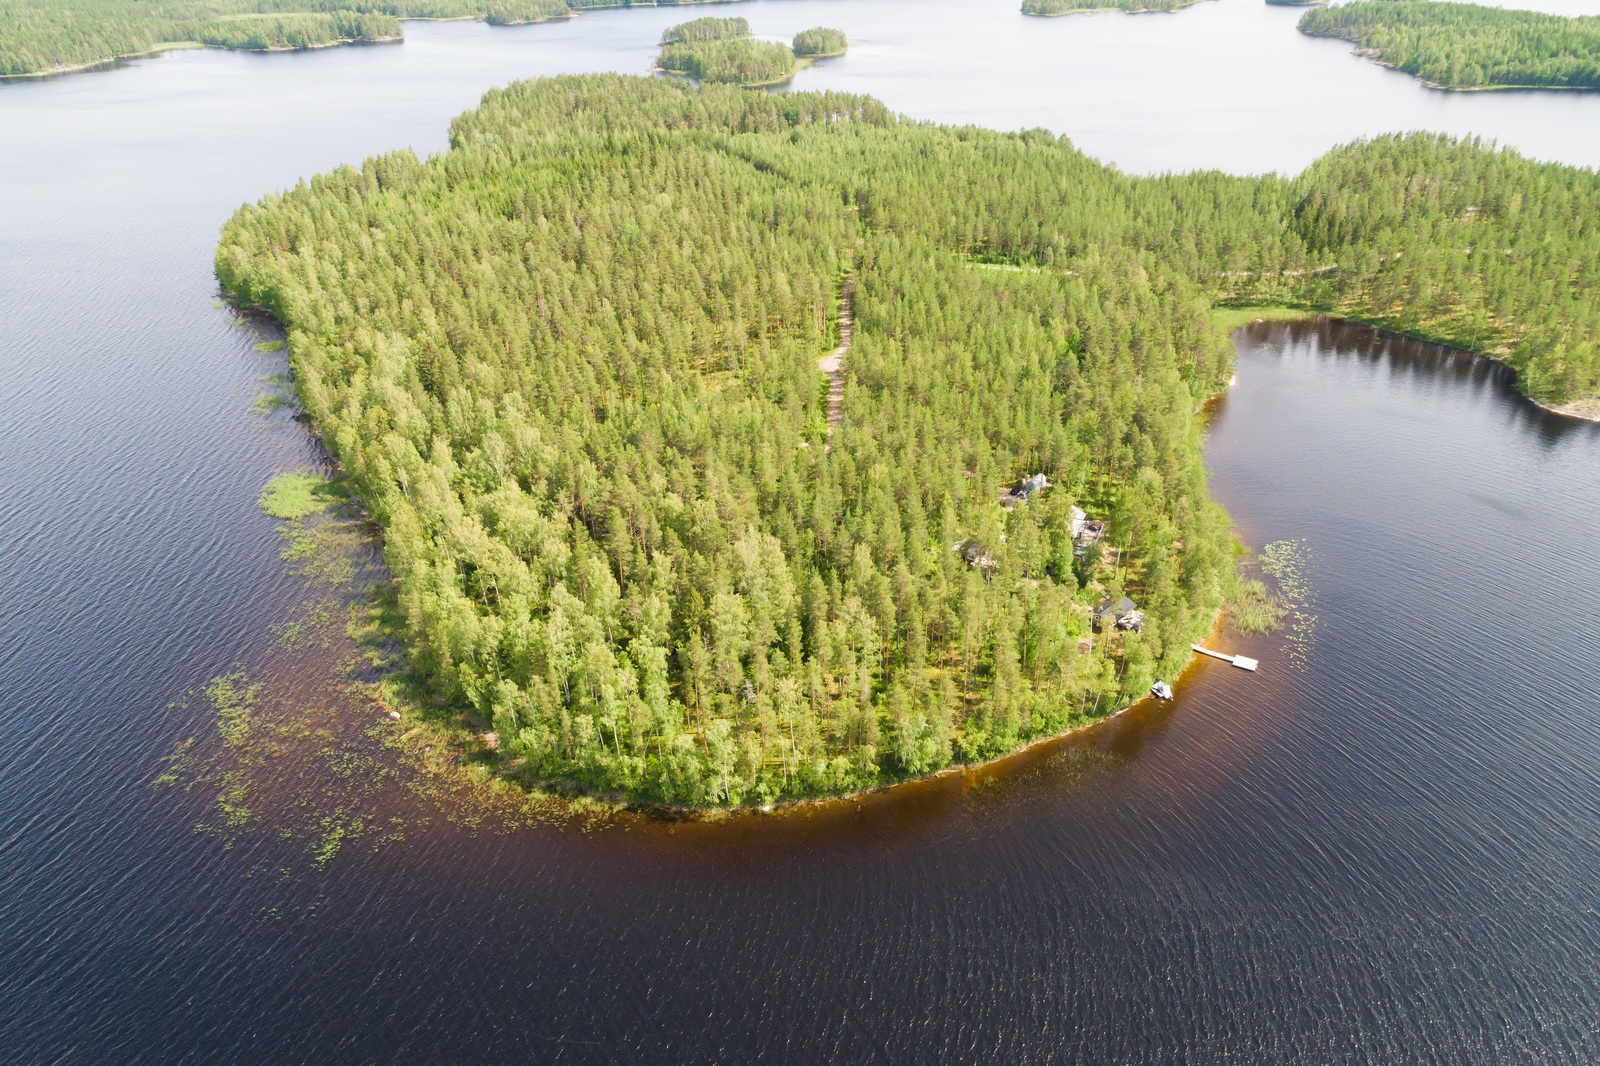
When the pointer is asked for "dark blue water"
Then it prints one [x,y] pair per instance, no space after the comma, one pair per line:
[1384,847]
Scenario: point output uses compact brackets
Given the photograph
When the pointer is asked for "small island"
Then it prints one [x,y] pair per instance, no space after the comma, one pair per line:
[720,51]
[1468,47]
[819,43]
[733,448]
[527,12]
[1052,8]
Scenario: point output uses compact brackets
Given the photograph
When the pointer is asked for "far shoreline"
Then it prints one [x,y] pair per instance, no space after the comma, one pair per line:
[112,62]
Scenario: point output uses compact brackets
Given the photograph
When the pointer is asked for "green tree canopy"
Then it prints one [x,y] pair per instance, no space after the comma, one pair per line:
[1468,46]
[571,366]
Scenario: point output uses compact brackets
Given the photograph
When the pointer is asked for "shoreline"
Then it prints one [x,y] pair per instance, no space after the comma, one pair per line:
[1118,10]
[1585,409]
[1377,57]
[107,63]
[671,813]
[111,62]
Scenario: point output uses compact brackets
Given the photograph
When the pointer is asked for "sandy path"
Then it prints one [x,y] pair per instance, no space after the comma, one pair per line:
[832,364]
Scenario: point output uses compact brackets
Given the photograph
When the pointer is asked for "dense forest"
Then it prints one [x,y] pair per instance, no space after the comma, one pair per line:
[571,365]
[265,33]
[721,51]
[41,36]
[1468,46]
[820,42]
[1074,7]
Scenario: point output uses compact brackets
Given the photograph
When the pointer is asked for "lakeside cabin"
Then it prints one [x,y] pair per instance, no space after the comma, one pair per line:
[1124,615]
[1085,531]
[975,554]
[1023,490]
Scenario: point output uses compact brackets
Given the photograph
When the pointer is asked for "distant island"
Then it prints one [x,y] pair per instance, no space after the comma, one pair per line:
[1295,3]
[1051,8]
[1468,46]
[820,43]
[722,51]
[43,37]
[646,545]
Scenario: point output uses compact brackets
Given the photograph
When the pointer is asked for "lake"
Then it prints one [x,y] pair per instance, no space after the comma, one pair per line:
[1385,846]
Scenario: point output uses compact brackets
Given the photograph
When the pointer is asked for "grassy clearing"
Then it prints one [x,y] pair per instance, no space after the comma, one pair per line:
[1232,318]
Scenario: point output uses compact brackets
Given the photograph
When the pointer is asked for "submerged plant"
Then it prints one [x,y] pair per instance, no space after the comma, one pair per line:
[295,495]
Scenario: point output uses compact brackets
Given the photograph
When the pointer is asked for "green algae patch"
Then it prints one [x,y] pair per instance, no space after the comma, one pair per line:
[1232,318]
[295,495]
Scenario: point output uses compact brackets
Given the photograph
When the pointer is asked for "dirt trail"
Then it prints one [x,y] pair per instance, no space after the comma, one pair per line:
[832,364]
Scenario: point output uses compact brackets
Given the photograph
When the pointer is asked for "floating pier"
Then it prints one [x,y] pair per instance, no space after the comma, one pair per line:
[1243,662]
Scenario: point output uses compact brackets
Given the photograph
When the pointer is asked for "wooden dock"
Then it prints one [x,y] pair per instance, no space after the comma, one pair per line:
[1243,662]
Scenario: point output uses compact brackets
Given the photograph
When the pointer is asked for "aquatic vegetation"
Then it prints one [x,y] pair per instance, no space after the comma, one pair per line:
[295,495]
[310,751]
[1285,563]
[233,699]
[269,402]
[1232,318]
[1253,608]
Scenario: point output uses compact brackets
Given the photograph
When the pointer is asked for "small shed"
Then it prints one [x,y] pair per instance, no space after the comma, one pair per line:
[975,554]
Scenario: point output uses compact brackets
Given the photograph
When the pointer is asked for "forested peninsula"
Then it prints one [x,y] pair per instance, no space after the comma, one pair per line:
[1468,46]
[59,36]
[1077,7]
[571,366]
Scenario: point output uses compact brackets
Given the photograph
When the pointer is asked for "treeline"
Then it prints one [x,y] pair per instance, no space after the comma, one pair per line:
[277,32]
[706,29]
[721,51]
[524,12]
[571,365]
[40,36]
[1073,7]
[1453,240]
[1468,46]
[820,42]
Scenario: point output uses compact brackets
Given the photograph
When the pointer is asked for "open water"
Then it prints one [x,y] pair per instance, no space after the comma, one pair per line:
[1384,847]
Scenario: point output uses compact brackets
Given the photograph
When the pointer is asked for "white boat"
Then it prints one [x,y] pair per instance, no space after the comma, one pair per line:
[1161,690]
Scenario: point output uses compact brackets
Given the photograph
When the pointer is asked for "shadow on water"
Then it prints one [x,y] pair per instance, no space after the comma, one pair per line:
[1422,362]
